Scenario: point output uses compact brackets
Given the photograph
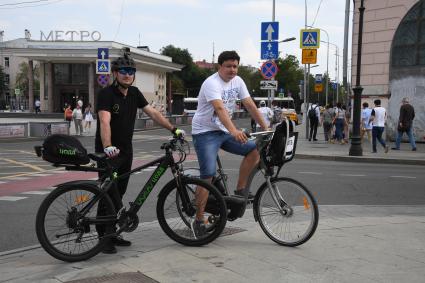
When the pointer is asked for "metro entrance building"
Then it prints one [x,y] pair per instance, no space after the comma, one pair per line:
[67,71]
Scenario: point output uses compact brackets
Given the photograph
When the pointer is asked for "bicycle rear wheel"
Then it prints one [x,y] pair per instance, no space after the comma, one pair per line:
[288,214]
[175,214]
[63,231]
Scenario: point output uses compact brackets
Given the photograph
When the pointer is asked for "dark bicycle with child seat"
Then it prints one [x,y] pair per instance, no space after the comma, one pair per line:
[67,220]
[285,209]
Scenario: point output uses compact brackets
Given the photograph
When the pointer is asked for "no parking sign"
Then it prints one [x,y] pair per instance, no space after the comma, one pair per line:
[269,69]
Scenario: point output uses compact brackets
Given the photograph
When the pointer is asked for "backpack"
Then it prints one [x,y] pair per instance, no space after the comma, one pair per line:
[312,112]
[277,115]
[327,117]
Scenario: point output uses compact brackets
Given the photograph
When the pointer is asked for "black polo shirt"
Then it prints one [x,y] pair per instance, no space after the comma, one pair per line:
[123,111]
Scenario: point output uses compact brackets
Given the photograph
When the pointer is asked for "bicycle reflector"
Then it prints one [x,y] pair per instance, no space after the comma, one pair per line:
[81,199]
[306,204]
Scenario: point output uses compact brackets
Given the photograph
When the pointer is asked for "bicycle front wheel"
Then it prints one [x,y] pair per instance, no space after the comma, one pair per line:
[176,208]
[287,212]
[63,230]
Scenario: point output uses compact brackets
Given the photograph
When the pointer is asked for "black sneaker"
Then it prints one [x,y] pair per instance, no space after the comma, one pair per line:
[414,149]
[198,228]
[119,241]
[395,148]
[241,194]
[109,249]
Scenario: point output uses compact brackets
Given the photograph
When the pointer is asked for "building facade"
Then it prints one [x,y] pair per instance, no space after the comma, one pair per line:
[393,57]
[67,72]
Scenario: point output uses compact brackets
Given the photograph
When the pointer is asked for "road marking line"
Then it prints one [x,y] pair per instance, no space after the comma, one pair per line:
[36,192]
[12,198]
[36,168]
[311,173]
[18,178]
[41,175]
[404,177]
[352,175]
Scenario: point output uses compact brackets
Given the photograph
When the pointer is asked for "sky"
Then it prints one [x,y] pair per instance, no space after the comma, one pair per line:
[196,25]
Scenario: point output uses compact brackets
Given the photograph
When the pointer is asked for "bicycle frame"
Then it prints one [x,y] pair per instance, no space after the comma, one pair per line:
[163,163]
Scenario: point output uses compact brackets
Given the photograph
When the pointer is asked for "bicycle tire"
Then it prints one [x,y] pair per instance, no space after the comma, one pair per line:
[175,222]
[297,221]
[61,203]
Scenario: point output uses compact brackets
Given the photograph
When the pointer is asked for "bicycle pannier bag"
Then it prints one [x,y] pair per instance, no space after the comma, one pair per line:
[63,149]
[276,147]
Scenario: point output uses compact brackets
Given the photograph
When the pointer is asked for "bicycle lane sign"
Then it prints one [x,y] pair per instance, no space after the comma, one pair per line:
[269,69]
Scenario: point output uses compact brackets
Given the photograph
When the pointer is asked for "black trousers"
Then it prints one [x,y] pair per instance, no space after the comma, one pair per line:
[313,128]
[122,164]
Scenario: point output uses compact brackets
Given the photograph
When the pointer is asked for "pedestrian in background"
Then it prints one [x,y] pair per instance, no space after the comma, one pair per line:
[339,122]
[314,117]
[77,115]
[37,106]
[366,126]
[266,112]
[347,123]
[68,114]
[378,118]
[88,117]
[405,124]
[326,122]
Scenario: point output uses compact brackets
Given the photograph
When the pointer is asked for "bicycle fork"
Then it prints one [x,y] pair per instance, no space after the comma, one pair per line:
[278,199]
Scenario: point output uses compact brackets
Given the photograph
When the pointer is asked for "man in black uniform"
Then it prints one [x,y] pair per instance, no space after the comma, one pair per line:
[116,111]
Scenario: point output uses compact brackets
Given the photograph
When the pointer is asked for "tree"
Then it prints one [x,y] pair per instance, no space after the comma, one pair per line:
[22,82]
[191,76]
[3,89]
[289,76]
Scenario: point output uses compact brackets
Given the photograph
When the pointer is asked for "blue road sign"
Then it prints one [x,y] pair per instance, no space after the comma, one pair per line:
[103,66]
[334,85]
[269,69]
[318,79]
[102,53]
[270,31]
[310,38]
[269,50]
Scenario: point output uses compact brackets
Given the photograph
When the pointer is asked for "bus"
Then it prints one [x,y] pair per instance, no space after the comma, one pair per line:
[190,105]
[287,105]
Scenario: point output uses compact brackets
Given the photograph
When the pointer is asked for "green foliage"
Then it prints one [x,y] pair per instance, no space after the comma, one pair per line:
[191,77]
[22,82]
[2,83]
[289,76]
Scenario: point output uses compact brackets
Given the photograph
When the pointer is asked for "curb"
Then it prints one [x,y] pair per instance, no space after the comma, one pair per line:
[362,159]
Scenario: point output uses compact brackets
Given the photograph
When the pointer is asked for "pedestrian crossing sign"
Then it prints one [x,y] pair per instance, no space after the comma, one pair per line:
[103,66]
[310,38]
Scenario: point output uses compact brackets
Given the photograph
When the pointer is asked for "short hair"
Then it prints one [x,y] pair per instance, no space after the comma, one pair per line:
[365,104]
[405,100]
[228,55]
[262,102]
[377,102]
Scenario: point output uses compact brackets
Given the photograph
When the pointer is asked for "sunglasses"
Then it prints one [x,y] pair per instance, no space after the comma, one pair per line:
[127,71]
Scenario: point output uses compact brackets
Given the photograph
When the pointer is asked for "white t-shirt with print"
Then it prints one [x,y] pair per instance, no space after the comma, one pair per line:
[379,113]
[205,118]
[267,114]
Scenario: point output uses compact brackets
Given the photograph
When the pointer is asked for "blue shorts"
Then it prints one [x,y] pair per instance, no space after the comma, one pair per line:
[207,145]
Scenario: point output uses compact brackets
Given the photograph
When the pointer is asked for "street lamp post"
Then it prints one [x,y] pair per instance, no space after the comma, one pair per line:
[356,147]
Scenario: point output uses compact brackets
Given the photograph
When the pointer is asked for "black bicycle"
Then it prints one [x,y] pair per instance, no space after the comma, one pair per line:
[68,221]
[285,209]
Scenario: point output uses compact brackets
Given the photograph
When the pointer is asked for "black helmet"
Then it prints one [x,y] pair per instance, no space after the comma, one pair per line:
[123,61]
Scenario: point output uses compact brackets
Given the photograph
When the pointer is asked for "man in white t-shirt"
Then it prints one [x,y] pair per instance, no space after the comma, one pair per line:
[212,128]
[377,118]
[266,112]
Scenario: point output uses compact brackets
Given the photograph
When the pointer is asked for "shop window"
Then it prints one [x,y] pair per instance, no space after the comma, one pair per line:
[6,62]
[6,79]
[409,39]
